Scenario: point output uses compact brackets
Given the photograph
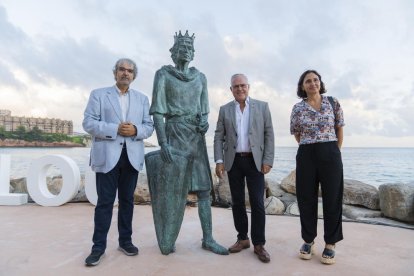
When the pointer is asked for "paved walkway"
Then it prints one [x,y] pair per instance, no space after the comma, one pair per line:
[36,240]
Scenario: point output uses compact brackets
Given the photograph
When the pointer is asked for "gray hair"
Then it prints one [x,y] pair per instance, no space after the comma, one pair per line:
[125,60]
[238,75]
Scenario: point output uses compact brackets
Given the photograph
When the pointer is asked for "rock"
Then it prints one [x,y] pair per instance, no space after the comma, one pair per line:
[361,194]
[387,221]
[221,188]
[18,185]
[273,188]
[293,209]
[141,193]
[289,183]
[23,143]
[397,201]
[273,206]
[54,186]
[355,192]
[358,213]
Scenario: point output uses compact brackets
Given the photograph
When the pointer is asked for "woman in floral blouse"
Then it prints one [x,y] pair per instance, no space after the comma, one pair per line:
[317,124]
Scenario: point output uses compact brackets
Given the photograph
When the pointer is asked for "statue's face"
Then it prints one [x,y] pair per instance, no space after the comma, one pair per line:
[185,51]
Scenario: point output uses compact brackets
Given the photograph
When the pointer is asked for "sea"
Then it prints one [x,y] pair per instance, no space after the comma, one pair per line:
[374,166]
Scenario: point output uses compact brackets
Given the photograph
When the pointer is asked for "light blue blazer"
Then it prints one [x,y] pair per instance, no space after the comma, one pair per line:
[102,117]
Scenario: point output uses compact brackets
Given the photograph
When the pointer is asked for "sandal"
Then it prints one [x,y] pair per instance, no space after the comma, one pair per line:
[307,250]
[328,256]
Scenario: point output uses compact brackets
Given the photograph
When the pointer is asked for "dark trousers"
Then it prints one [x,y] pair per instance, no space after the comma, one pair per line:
[320,163]
[124,178]
[243,169]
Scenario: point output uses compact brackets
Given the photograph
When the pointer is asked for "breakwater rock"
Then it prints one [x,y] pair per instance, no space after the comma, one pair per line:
[392,204]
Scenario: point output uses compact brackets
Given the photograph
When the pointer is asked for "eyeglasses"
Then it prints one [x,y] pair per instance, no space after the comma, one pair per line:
[243,86]
[122,69]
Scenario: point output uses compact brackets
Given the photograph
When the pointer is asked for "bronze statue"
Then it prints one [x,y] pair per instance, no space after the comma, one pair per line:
[180,109]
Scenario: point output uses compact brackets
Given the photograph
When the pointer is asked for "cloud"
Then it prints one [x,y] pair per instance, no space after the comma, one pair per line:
[363,50]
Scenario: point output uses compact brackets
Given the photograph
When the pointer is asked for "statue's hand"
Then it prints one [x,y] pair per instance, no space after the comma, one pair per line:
[203,128]
[166,153]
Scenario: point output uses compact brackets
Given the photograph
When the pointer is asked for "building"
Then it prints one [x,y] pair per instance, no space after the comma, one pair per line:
[11,123]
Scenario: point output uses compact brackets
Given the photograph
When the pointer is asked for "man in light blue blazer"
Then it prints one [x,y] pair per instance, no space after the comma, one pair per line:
[244,147]
[118,120]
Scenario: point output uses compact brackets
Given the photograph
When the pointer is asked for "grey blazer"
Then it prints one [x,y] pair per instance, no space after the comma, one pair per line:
[102,117]
[261,134]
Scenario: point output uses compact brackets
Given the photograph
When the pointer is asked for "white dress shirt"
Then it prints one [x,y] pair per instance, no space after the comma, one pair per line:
[123,102]
[242,122]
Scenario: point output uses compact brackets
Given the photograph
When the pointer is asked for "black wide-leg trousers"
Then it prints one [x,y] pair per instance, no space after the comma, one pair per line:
[320,163]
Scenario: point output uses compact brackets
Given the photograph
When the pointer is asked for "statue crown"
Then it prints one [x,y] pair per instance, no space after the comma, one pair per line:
[181,37]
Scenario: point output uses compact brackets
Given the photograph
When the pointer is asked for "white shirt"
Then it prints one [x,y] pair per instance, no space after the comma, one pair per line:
[123,102]
[242,122]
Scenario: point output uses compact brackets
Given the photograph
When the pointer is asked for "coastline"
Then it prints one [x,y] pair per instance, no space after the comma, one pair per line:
[15,143]
[361,201]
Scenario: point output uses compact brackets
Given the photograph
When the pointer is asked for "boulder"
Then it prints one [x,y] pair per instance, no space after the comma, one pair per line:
[397,201]
[275,189]
[293,209]
[361,194]
[141,193]
[274,206]
[355,192]
[222,190]
[358,213]
[54,185]
[18,185]
[288,184]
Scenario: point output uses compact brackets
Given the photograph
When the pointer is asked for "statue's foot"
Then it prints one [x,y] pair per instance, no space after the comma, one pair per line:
[214,247]
[168,250]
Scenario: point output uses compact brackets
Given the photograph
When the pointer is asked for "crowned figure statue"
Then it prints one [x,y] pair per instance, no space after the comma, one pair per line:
[180,111]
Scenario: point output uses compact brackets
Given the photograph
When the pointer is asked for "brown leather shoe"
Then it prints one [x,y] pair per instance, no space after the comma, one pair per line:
[239,246]
[261,253]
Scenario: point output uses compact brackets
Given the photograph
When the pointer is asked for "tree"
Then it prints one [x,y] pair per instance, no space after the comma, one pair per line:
[20,132]
[36,134]
[2,133]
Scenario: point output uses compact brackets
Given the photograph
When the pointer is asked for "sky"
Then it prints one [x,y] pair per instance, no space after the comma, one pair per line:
[54,52]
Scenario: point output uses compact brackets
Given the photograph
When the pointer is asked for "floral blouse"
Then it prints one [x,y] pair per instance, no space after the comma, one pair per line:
[316,126]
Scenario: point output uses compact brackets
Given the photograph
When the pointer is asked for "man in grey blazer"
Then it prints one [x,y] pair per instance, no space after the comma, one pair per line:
[244,147]
[118,120]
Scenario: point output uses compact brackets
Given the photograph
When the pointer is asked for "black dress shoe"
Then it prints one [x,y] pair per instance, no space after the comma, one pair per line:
[129,249]
[94,258]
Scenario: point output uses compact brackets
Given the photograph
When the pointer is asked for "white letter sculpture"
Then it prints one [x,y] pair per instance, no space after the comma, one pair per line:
[6,198]
[36,180]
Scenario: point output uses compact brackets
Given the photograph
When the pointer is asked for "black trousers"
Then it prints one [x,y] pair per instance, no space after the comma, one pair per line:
[123,177]
[243,169]
[320,163]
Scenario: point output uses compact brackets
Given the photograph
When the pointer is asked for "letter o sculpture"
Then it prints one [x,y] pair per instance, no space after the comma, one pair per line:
[36,180]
